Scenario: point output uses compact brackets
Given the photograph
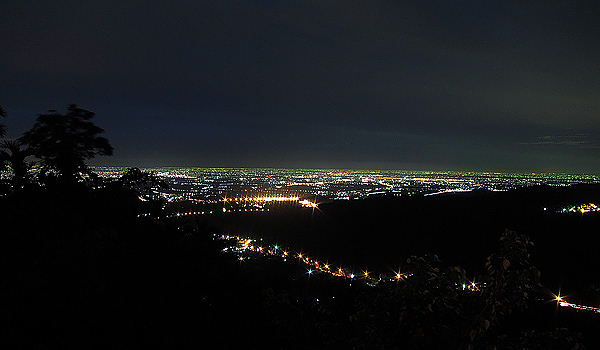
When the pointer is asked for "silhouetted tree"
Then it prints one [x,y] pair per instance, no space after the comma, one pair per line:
[63,142]
[508,280]
[144,182]
[422,311]
[437,308]
[14,154]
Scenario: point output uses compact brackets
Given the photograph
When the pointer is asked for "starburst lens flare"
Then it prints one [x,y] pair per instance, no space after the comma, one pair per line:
[563,303]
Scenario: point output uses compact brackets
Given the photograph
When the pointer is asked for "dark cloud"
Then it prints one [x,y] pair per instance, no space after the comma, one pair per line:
[390,84]
[578,141]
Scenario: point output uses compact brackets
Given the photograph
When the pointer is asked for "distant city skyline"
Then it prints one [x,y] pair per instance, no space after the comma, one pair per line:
[467,86]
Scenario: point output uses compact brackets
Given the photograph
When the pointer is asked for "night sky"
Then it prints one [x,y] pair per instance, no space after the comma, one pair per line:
[415,85]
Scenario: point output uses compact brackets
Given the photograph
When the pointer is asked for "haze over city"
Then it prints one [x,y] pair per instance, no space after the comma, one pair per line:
[437,85]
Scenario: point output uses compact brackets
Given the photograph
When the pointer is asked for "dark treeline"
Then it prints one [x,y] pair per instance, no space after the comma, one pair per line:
[82,269]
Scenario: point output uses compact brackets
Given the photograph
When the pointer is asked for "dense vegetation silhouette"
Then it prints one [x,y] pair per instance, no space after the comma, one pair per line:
[83,266]
[15,155]
[63,142]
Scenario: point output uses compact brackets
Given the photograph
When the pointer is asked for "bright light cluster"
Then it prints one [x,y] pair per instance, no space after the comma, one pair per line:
[579,307]
[262,199]
[244,245]
[209,185]
[307,204]
[582,208]
[563,303]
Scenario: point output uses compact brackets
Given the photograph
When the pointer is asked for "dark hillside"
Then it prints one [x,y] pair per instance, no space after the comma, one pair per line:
[81,270]
[462,228]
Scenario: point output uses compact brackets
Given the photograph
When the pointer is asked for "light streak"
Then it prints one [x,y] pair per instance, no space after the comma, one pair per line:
[245,245]
[262,199]
[445,191]
[579,307]
[560,300]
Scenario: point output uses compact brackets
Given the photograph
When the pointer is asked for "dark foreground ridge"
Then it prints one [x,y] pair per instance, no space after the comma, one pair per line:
[81,269]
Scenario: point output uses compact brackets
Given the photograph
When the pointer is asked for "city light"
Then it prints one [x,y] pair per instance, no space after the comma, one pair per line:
[214,192]
[244,245]
[308,204]
[563,303]
[255,190]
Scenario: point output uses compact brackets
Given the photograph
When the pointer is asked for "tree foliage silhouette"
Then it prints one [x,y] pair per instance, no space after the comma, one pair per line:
[63,142]
[434,306]
[15,154]
[144,182]
[145,185]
